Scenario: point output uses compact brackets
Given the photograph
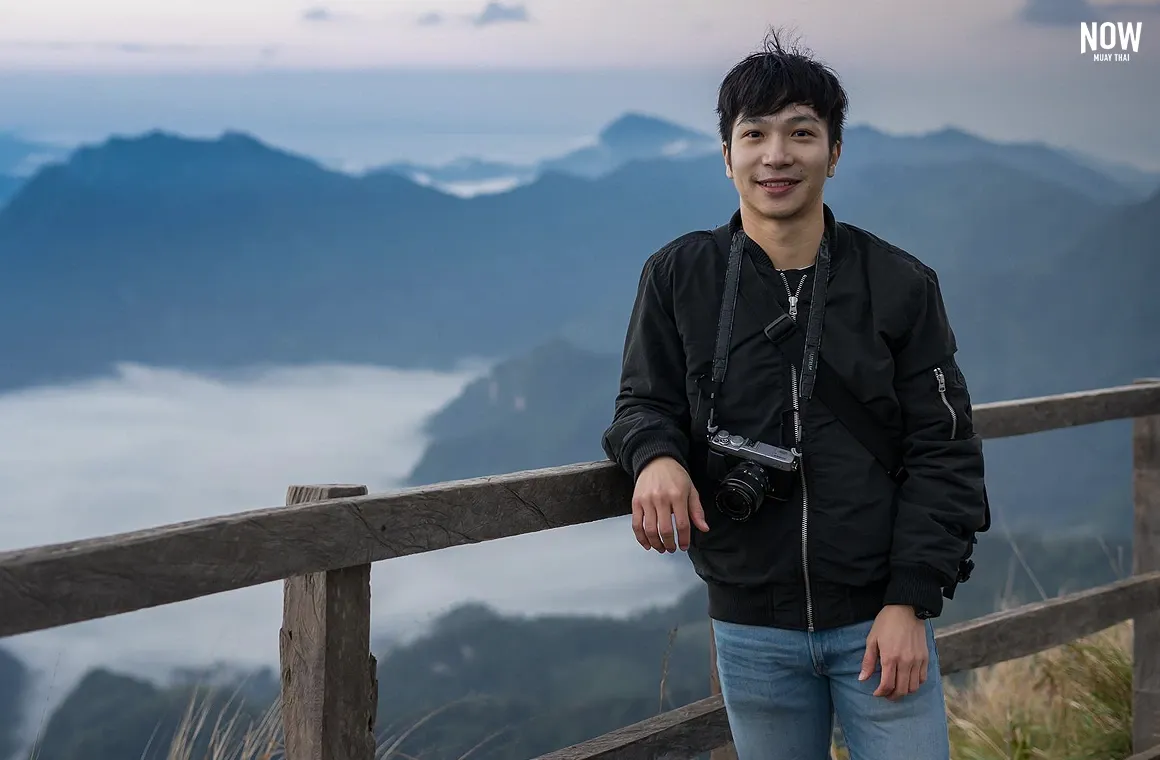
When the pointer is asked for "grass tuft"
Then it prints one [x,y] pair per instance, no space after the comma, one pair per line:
[1073,702]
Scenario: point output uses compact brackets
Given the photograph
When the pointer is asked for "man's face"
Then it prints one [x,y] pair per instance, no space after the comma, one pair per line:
[779,163]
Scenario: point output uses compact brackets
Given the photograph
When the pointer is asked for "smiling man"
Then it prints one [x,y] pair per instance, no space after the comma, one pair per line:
[793,416]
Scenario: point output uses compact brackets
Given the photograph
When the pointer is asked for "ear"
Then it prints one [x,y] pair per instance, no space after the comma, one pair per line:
[728,163]
[835,154]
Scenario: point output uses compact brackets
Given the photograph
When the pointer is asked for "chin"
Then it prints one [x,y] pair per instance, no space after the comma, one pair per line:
[778,211]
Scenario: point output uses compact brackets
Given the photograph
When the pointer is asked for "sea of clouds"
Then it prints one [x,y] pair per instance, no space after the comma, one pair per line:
[145,446]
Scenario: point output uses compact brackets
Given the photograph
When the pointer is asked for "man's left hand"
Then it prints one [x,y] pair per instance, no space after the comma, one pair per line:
[898,638]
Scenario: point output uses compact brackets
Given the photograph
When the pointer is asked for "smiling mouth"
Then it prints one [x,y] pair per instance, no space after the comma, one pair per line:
[778,182]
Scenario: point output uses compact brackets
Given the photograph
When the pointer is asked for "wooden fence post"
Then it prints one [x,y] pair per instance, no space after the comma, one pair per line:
[329,680]
[1146,558]
[728,752]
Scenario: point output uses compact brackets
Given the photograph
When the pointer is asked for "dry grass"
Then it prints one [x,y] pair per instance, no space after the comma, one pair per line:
[263,740]
[1069,703]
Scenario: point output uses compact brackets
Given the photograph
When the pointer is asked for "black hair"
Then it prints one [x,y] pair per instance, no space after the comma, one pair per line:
[765,82]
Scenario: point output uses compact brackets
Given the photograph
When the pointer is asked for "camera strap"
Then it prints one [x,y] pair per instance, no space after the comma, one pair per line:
[787,337]
[724,325]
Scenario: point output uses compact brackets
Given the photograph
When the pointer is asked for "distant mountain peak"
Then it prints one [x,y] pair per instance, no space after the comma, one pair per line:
[159,156]
[633,128]
[159,139]
[163,164]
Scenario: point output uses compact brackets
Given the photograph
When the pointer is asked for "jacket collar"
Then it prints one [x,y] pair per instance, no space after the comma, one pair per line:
[834,231]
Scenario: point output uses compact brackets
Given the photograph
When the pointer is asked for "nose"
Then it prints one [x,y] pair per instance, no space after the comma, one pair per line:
[777,151]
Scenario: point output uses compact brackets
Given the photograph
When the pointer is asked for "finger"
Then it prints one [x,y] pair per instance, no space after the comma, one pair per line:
[650,527]
[923,671]
[681,518]
[697,512]
[869,659]
[638,523]
[916,677]
[886,683]
[901,681]
[665,525]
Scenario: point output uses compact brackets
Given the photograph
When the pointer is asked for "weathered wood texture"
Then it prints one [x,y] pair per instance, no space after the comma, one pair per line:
[329,681]
[1037,627]
[682,733]
[1145,559]
[974,644]
[83,580]
[1003,419]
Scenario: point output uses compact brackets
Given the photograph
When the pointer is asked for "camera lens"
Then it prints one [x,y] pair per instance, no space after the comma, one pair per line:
[742,491]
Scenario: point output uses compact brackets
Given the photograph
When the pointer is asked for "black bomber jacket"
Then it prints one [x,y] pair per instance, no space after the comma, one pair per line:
[851,539]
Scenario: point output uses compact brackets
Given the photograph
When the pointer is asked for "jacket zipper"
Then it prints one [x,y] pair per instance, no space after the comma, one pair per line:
[797,421]
[942,391]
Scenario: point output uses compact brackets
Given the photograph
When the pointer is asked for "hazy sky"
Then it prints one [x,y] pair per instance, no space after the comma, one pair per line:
[362,81]
[134,34]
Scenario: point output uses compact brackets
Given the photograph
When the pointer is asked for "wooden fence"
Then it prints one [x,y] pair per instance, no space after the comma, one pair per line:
[323,541]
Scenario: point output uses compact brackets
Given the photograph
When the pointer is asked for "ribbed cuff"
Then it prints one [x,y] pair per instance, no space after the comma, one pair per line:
[917,587]
[654,449]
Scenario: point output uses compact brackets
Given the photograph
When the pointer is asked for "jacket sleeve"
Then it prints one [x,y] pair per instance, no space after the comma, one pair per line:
[651,414]
[942,503]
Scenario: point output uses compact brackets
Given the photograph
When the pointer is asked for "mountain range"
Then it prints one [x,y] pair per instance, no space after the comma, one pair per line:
[632,137]
[216,253]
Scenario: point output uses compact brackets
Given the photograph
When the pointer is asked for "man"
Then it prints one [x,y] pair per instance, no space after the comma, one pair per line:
[826,563]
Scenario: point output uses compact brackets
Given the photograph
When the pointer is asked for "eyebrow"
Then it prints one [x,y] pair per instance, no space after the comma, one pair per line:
[798,119]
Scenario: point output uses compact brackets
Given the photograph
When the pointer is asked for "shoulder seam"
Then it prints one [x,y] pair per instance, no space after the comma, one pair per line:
[688,237]
[664,255]
[898,252]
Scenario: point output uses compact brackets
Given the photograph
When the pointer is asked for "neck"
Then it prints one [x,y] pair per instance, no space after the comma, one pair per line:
[789,243]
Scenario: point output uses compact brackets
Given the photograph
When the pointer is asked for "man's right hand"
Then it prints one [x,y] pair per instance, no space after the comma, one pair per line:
[665,495]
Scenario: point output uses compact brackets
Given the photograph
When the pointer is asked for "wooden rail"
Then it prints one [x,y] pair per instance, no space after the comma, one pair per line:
[323,541]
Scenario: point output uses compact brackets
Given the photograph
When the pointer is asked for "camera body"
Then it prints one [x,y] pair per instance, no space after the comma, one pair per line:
[764,472]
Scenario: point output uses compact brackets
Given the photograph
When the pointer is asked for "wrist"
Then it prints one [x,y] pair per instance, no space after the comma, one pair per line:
[910,610]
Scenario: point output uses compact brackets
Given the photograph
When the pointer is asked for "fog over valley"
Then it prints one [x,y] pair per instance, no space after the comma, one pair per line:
[150,446]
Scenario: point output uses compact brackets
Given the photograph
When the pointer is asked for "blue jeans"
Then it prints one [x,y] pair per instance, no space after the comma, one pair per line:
[783,690]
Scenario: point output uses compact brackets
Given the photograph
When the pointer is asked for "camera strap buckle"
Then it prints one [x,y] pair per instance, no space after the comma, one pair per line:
[780,330]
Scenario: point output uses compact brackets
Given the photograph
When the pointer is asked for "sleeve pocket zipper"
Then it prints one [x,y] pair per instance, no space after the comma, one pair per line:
[942,392]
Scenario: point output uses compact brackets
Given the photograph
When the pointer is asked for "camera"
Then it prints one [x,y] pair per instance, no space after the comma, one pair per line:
[765,472]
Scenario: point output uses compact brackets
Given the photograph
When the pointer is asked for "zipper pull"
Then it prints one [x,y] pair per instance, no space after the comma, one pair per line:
[942,383]
[793,307]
